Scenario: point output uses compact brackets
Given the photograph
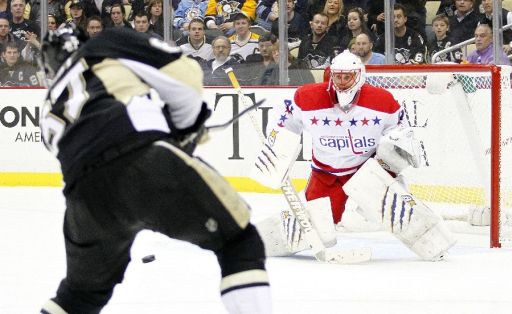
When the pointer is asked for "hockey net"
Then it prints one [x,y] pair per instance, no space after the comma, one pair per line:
[463,116]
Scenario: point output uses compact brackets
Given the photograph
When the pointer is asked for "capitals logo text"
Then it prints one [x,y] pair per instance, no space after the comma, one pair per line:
[358,145]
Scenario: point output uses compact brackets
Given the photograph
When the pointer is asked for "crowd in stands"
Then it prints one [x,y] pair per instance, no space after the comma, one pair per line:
[242,34]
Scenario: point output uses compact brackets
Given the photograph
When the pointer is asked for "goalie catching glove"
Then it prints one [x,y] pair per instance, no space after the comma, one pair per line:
[398,150]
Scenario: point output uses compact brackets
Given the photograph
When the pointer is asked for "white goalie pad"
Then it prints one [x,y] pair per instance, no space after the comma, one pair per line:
[398,150]
[385,200]
[282,235]
[277,155]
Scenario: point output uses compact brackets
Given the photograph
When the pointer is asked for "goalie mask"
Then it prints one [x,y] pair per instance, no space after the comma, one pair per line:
[58,45]
[348,75]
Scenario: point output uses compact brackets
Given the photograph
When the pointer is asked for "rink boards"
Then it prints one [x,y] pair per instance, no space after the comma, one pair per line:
[24,161]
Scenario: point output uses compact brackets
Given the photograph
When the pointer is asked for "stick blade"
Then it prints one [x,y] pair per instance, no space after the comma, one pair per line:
[353,256]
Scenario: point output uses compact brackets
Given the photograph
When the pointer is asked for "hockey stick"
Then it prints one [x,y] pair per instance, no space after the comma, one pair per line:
[235,118]
[311,236]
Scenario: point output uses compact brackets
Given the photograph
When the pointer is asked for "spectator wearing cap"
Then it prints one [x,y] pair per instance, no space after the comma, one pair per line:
[187,11]
[221,17]
[88,6]
[197,44]
[78,19]
[483,54]
[243,41]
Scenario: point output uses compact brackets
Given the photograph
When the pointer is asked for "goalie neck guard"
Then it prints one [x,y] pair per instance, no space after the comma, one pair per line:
[348,75]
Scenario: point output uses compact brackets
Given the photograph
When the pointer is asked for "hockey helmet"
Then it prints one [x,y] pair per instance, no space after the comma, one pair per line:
[348,75]
[58,45]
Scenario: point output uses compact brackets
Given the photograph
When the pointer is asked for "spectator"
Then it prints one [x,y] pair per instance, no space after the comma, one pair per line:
[351,47]
[141,25]
[155,11]
[317,49]
[337,21]
[447,7]
[416,15]
[261,64]
[55,9]
[441,26]
[52,22]
[484,47]
[464,21]
[363,49]
[20,27]
[94,26]
[5,9]
[296,25]
[506,19]
[410,48]
[196,44]
[376,17]
[298,74]
[243,41]
[187,11]
[356,25]
[220,17]
[106,8]
[89,8]
[214,74]
[118,16]
[14,71]
[7,37]
[78,19]
[267,12]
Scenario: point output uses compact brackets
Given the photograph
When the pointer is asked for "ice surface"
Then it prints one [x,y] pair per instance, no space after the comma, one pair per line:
[185,279]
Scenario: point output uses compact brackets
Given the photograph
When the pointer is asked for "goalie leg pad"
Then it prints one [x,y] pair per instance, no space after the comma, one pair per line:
[384,199]
[279,151]
[283,236]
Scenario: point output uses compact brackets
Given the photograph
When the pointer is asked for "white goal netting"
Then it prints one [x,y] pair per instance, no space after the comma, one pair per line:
[460,113]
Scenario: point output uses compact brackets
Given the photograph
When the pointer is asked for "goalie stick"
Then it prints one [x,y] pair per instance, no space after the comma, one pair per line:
[311,236]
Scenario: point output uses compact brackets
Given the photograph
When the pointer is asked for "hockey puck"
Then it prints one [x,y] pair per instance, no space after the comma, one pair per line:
[148,259]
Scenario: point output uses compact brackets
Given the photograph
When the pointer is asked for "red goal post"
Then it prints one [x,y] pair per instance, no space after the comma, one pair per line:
[463,115]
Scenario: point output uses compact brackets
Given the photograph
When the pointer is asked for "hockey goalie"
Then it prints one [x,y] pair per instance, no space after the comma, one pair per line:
[360,150]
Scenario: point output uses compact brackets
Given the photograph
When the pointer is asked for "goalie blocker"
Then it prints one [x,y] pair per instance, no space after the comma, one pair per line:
[383,199]
[279,151]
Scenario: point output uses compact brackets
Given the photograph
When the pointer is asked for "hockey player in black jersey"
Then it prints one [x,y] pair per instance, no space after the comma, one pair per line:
[116,112]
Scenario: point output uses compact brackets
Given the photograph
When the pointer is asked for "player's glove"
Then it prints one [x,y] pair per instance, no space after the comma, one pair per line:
[187,139]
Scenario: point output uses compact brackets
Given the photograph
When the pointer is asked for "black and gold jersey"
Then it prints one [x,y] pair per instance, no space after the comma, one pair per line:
[120,91]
